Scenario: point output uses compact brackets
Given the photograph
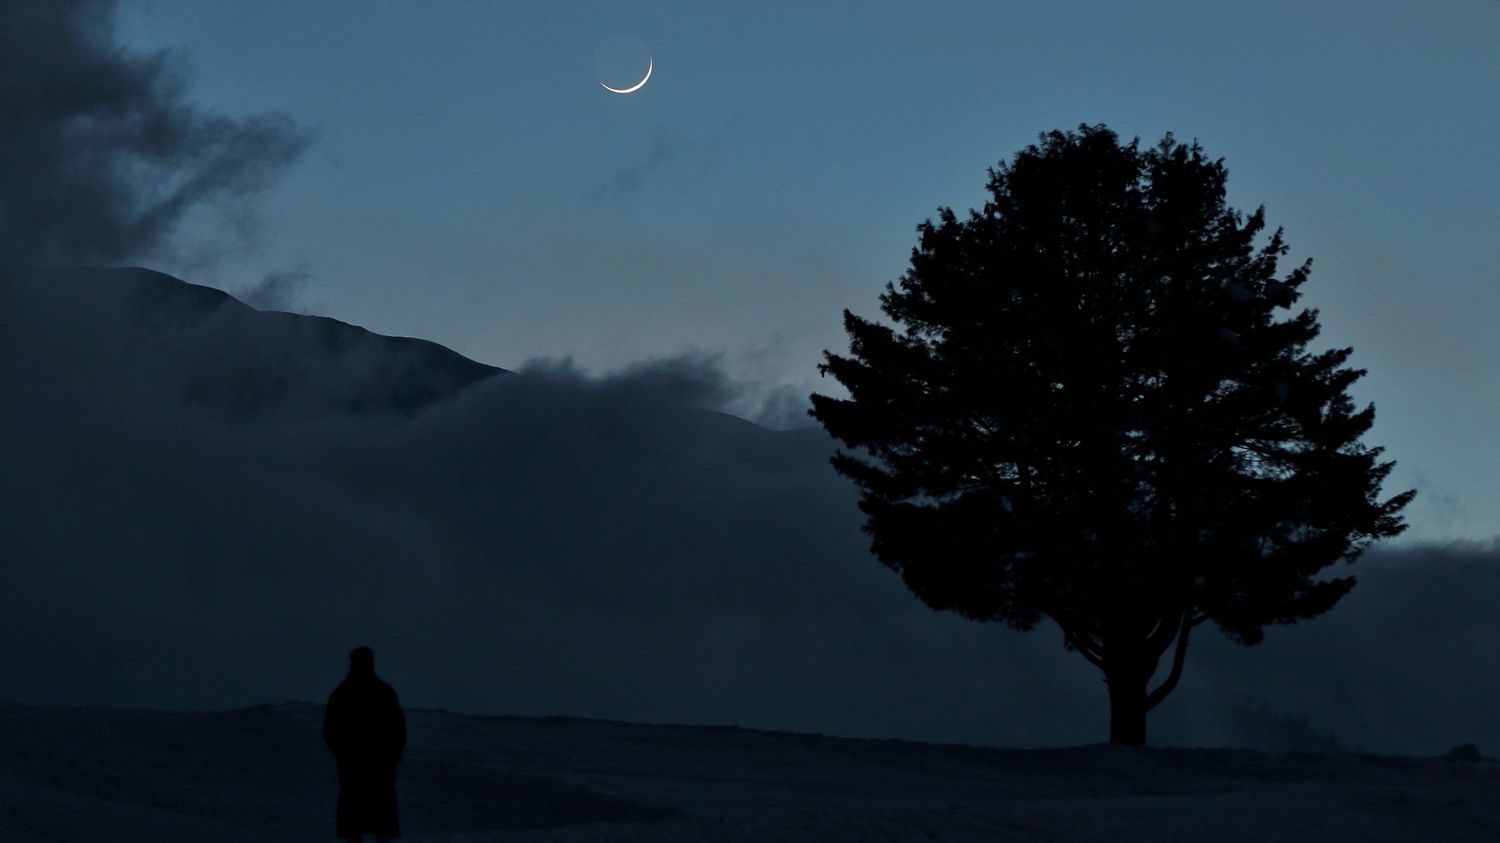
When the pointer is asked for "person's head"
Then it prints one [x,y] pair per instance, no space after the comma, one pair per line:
[362,660]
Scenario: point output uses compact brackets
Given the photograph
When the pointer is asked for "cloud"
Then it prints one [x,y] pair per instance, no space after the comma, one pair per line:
[276,290]
[687,380]
[666,146]
[104,155]
[548,542]
[1400,665]
[555,542]
[782,407]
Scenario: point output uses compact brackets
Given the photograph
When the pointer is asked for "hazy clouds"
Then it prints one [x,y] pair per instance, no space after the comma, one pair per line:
[666,147]
[542,543]
[104,155]
[281,290]
[554,543]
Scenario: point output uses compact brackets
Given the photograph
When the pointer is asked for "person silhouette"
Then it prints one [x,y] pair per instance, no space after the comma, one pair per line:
[365,730]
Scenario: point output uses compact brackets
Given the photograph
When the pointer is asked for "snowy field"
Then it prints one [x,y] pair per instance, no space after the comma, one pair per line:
[257,774]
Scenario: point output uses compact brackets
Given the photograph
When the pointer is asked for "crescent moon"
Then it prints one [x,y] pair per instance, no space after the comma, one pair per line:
[637,86]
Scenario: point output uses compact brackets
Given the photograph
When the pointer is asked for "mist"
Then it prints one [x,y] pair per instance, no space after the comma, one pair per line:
[105,155]
[549,542]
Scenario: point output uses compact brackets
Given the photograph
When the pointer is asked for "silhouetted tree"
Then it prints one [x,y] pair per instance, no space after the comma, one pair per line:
[1089,414]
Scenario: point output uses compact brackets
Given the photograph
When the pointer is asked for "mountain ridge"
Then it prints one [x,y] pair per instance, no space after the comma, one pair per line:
[253,363]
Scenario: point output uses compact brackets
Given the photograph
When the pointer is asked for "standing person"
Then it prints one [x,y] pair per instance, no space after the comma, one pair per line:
[366,732]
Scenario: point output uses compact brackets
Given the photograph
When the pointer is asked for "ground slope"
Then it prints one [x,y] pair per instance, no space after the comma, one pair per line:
[261,774]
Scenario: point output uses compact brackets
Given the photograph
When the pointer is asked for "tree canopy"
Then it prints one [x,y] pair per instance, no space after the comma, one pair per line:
[1086,410]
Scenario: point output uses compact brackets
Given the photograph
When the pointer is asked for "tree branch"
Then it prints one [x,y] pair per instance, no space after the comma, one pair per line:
[1088,650]
[1162,633]
[1178,658]
[1091,650]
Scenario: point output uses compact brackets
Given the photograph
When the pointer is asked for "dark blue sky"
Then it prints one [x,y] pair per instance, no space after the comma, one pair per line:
[471,183]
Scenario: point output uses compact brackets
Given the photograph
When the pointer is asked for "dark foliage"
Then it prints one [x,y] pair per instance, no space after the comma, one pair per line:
[1088,413]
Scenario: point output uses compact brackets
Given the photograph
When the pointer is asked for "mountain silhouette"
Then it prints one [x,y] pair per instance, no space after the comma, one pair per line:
[203,504]
[233,360]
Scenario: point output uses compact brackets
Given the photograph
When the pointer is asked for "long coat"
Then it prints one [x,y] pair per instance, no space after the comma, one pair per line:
[365,730]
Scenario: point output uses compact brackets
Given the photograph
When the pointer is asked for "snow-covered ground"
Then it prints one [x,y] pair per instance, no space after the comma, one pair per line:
[76,774]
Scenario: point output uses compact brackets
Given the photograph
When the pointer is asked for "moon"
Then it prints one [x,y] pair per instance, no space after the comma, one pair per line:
[650,65]
[623,64]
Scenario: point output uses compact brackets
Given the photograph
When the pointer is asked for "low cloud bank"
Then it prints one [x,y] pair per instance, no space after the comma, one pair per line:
[553,543]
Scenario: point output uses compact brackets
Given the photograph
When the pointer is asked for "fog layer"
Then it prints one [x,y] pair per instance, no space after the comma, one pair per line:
[551,543]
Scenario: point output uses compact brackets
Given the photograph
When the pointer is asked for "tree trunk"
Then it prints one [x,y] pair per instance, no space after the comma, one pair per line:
[1127,709]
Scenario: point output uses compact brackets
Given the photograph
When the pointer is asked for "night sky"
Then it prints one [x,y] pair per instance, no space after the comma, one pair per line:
[455,172]
[471,183]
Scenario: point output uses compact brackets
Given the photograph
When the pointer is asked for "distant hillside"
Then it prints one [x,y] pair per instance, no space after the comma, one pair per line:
[234,360]
[205,506]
